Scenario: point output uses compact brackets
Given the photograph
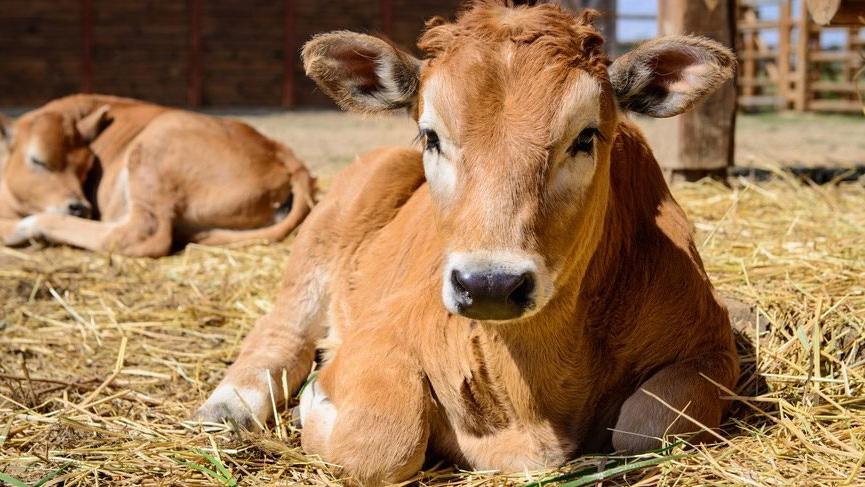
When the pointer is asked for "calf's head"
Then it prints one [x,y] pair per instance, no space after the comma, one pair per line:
[48,158]
[517,109]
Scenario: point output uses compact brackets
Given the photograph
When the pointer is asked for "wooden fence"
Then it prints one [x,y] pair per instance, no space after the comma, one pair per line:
[184,52]
[797,72]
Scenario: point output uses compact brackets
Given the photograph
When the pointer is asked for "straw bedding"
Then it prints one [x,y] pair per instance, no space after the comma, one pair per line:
[104,357]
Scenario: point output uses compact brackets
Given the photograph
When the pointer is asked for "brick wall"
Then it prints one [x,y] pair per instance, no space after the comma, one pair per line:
[141,48]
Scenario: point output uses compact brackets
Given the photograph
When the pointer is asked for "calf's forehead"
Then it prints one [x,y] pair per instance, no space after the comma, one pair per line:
[508,91]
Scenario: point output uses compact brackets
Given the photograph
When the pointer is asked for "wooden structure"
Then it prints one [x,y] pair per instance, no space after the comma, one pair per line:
[699,143]
[797,73]
[184,52]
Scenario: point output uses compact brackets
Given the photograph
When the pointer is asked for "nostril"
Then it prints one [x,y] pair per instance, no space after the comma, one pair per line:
[522,290]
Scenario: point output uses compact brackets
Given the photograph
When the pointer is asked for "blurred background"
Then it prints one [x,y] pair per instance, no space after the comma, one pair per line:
[799,59]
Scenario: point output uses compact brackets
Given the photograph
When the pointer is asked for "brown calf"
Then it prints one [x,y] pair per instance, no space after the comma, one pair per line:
[152,175]
[520,290]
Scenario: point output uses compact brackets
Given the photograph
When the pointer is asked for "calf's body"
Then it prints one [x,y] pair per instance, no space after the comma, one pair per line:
[522,290]
[153,176]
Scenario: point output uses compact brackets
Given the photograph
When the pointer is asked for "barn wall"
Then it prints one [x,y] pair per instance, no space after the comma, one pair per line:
[142,48]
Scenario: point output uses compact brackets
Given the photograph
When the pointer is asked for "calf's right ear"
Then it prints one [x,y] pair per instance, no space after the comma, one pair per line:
[361,72]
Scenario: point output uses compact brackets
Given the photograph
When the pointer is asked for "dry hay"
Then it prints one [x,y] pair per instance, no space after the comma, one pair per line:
[104,357]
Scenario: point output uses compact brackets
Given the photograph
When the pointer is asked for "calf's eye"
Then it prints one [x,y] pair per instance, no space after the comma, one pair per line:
[431,141]
[584,143]
[39,162]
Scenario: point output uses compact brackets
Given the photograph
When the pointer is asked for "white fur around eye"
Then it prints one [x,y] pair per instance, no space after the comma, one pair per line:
[439,173]
[438,165]
[573,173]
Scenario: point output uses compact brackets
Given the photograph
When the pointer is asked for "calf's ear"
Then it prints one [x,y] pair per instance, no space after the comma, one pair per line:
[667,76]
[361,72]
[93,124]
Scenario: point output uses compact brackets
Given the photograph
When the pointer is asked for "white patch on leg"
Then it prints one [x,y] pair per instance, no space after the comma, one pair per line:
[27,228]
[315,406]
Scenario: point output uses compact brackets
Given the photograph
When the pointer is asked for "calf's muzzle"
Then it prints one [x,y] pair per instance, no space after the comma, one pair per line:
[492,295]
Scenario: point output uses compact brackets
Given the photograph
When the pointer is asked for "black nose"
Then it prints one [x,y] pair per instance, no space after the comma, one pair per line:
[79,209]
[492,295]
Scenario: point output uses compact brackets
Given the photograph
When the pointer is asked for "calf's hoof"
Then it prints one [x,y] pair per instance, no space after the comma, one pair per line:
[241,408]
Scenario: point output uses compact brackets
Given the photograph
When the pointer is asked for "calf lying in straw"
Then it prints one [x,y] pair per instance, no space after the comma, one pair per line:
[153,176]
[523,289]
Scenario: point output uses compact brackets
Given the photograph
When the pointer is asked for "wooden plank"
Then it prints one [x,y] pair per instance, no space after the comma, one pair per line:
[782,61]
[194,84]
[751,55]
[846,106]
[834,56]
[86,16]
[800,94]
[755,25]
[289,56]
[834,86]
[385,8]
[761,101]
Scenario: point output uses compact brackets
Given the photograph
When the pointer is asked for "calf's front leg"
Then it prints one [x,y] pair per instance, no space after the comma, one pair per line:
[644,420]
[368,412]
[282,340]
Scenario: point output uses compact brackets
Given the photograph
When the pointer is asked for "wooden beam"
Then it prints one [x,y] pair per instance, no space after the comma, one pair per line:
[289,56]
[800,93]
[785,26]
[194,83]
[385,8]
[849,13]
[699,143]
[86,18]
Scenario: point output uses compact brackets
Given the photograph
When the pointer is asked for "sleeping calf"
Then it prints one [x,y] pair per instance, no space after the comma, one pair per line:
[152,176]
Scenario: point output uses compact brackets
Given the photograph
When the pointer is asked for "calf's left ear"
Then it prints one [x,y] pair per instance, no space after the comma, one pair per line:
[667,76]
[93,124]
[361,72]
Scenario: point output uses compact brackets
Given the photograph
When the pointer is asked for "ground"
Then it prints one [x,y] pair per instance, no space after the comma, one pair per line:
[105,357]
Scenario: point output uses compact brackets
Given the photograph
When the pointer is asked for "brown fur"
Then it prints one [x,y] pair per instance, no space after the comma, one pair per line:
[631,308]
[155,176]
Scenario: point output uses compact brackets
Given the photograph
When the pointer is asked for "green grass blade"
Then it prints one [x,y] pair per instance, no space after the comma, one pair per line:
[206,471]
[8,479]
[309,380]
[616,471]
[44,480]
[228,477]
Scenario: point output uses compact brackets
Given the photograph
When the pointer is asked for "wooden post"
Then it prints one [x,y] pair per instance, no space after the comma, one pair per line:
[803,25]
[783,59]
[193,76]
[385,8]
[86,17]
[289,56]
[749,55]
[699,143]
